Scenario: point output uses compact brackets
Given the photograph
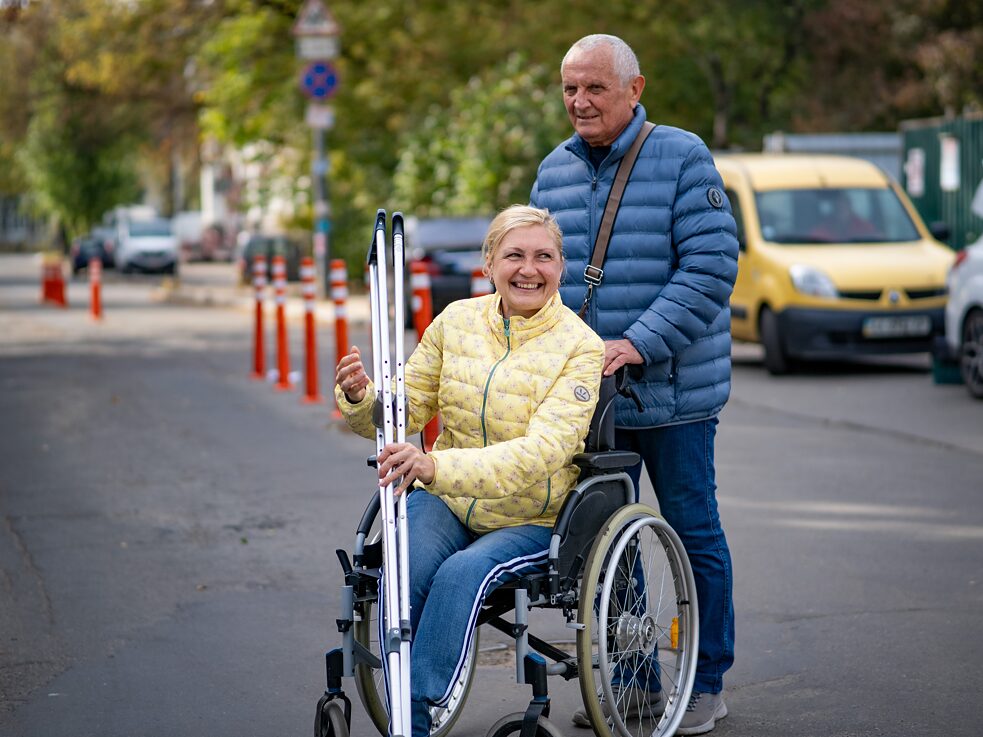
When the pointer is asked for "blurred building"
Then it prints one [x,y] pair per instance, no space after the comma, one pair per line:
[882,149]
[18,230]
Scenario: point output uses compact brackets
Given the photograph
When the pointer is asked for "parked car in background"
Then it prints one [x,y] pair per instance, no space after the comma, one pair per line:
[292,248]
[99,243]
[451,249]
[146,245]
[188,229]
[964,316]
[834,260]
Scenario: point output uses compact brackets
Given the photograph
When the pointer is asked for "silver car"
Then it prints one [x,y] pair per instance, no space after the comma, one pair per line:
[147,245]
[964,316]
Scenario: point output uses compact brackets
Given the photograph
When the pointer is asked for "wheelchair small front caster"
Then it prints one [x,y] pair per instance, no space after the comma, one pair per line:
[512,725]
[330,720]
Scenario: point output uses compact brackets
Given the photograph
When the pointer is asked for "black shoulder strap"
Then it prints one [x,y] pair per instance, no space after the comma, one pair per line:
[593,273]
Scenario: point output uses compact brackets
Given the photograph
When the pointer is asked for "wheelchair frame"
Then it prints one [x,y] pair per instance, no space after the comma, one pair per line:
[584,556]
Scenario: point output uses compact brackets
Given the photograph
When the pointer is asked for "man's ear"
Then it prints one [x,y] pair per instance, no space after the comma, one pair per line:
[636,86]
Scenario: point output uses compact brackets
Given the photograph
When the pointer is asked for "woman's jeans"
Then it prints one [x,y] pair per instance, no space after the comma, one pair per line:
[451,571]
[679,460]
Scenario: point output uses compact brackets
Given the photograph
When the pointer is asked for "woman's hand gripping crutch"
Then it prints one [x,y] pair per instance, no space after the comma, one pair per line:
[397,460]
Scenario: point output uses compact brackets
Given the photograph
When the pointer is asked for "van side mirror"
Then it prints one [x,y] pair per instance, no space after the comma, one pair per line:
[940,230]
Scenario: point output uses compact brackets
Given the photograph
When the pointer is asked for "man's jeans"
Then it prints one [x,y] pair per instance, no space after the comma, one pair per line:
[679,460]
[451,571]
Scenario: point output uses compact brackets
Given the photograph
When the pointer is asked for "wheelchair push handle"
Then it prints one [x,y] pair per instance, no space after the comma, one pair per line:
[622,385]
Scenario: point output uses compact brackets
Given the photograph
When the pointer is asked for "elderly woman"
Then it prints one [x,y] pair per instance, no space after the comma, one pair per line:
[514,376]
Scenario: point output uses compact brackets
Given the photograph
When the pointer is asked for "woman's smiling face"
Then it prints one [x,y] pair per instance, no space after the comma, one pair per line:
[526,269]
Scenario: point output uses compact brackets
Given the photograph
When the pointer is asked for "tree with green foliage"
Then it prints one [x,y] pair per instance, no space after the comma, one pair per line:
[446,107]
[77,171]
[479,153]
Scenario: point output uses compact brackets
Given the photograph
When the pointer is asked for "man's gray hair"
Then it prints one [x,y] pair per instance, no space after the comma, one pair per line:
[625,61]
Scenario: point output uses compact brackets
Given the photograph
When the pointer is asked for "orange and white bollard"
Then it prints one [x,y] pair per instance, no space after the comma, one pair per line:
[283,383]
[422,304]
[480,284]
[95,288]
[422,301]
[259,348]
[308,290]
[339,296]
[53,281]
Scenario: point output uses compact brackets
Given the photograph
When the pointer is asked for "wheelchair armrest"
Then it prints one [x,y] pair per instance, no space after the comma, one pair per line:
[608,460]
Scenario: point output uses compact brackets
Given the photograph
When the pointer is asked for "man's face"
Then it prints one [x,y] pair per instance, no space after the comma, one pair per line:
[598,104]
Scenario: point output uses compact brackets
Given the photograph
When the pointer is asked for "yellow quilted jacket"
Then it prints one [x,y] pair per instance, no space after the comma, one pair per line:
[516,397]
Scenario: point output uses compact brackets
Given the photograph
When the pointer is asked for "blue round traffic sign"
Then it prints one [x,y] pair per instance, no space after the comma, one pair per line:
[319,80]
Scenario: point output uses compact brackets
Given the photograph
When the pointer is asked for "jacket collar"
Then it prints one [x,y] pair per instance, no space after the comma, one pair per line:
[524,328]
[619,148]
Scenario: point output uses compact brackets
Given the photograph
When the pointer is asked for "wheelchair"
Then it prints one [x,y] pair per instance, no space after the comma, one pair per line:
[616,571]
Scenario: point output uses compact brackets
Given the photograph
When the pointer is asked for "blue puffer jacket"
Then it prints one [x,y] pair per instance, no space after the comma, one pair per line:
[669,270]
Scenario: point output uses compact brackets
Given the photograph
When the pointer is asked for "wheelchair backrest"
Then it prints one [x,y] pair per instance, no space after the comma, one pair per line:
[599,497]
[600,436]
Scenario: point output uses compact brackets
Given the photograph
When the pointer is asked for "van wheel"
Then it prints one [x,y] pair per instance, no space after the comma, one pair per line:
[776,359]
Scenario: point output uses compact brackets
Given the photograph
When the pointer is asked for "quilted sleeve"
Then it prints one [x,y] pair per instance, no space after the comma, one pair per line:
[358,416]
[705,244]
[422,381]
[555,433]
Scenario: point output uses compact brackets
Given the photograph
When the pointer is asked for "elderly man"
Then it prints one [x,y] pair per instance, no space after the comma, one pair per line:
[662,305]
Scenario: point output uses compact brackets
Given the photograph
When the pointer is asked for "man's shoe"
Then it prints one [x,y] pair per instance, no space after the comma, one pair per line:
[636,703]
[702,713]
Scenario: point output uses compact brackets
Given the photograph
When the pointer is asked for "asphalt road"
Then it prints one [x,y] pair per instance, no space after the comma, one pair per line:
[168,527]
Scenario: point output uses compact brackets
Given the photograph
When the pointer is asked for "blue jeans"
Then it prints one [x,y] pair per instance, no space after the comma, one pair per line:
[451,571]
[679,460]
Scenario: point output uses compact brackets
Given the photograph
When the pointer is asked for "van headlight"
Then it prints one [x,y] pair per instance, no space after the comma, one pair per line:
[810,280]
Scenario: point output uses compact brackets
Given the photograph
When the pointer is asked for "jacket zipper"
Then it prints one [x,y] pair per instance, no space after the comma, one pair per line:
[484,404]
[549,493]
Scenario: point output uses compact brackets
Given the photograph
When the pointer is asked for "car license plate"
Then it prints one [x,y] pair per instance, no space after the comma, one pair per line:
[897,327]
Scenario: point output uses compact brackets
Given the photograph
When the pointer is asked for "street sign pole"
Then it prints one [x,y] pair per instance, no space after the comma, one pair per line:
[317,43]
[322,208]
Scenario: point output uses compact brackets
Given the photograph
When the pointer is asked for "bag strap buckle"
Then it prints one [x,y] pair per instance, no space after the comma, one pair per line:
[593,274]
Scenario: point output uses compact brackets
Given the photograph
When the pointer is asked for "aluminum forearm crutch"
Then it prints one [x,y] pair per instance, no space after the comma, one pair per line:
[392,428]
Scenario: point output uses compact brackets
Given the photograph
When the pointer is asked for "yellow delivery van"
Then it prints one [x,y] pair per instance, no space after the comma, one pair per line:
[834,262]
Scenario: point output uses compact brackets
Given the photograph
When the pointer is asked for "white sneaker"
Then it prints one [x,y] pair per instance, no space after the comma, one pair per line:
[636,702]
[702,713]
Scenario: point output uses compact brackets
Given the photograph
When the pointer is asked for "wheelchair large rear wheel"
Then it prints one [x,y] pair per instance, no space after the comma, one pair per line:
[639,611]
[372,689]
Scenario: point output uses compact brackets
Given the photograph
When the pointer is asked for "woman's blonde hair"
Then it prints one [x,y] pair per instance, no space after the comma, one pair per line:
[518,216]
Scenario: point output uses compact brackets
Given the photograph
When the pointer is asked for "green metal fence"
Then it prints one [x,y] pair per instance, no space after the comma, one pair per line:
[943,173]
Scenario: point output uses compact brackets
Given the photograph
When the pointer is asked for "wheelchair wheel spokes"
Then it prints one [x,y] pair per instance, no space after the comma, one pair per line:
[369,681]
[371,684]
[640,627]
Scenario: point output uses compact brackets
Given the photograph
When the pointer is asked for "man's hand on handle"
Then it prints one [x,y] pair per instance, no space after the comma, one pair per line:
[619,352]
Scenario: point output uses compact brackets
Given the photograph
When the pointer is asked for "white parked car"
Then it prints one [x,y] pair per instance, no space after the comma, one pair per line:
[964,316]
[147,245]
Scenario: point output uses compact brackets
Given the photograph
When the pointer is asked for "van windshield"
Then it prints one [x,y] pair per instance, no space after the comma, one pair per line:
[833,215]
[148,228]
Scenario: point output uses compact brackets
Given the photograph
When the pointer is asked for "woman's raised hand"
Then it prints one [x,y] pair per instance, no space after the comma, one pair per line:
[406,460]
[351,377]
